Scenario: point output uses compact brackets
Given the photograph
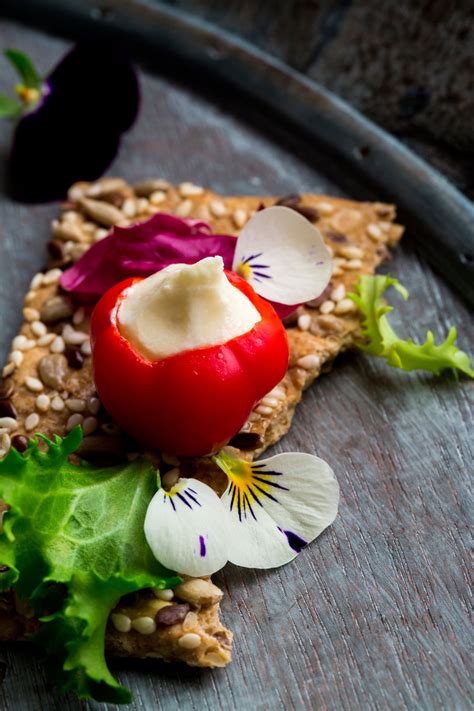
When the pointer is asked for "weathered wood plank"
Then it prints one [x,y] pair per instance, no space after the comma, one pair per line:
[373,616]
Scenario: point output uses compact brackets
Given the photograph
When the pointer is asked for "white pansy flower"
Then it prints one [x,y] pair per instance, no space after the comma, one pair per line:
[269,512]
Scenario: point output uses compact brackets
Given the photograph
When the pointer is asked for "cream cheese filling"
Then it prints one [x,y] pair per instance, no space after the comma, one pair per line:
[184,307]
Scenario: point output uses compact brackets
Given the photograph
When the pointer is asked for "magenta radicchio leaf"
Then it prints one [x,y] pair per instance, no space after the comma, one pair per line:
[143,249]
[73,131]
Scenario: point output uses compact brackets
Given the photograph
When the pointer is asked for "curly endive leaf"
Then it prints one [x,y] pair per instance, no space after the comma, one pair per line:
[381,340]
[74,542]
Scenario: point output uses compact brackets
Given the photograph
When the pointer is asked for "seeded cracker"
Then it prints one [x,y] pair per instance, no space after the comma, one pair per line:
[47,383]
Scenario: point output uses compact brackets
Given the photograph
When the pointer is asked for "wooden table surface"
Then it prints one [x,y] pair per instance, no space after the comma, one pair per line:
[374,615]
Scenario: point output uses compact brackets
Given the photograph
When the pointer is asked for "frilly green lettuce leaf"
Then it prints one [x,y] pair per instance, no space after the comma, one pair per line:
[381,340]
[74,542]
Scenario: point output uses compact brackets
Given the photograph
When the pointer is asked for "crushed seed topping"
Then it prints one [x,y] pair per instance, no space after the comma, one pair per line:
[34,384]
[308,362]
[184,208]
[32,421]
[73,421]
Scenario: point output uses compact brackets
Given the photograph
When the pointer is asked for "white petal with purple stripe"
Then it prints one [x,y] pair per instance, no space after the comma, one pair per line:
[187,528]
[276,506]
[283,256]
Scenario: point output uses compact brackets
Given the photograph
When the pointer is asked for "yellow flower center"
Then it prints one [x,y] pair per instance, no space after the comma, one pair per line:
[245,271]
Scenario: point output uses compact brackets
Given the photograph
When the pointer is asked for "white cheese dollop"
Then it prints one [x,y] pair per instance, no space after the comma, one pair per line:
[183,307]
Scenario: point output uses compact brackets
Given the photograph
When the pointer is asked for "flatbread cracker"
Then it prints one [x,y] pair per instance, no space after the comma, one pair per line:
[48,379]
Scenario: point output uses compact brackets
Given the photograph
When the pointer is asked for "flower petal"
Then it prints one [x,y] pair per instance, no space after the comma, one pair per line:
[282,256]
[186,528]
[143,249]
[73,133]
[277,506]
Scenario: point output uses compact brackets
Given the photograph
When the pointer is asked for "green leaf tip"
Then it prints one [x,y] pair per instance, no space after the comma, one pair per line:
[78,529]
[9,108]
[24,67]
[381,340]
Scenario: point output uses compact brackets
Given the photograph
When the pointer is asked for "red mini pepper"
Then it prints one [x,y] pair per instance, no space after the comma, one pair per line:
[194,402]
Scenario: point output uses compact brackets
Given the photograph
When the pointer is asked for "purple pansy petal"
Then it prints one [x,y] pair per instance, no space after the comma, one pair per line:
[143,249]
[73,133]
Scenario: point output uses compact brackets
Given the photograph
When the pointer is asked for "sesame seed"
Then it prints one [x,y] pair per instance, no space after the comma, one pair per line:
[264,410]
[351,252]
[129,208]
[18,342]
[240,217]
[16,357]
[89,425]
[32,421]
[8,370]
[93,405]
[345,306]
[253,417]
[218,208]
[308,362]
[353,264]
[269,401]
[37,281]
[75,404]
[189,189]
[166,595]
[30,343]
[189,641]
[52,277]
[33,384]
[142,205]
[278,392]
[88,227]
[184,208]
[31,314]
[74,420]
[190,621]
[38,328]
[327,306]
[86,348]
[46,340]
[144,625]
[57,404]
[157,197]
[328,323]
[78,316]
[57,345]
[122,623]
[304,322]
[72,337]
[29,297]
[325,208]
[338,293]
[385,226]
[337,271]
[374,232]
[8,423]
[203,212]
[42,403]
[100,233]
[5,443]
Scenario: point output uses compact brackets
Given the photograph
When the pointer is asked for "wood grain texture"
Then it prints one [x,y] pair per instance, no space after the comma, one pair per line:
[407,65]
[375,614]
